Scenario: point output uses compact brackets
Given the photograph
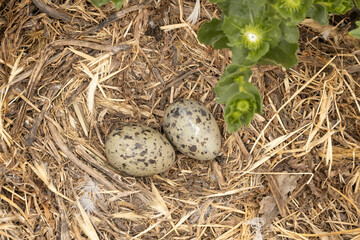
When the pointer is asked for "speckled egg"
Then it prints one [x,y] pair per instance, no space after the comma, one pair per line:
[138,150]
[192,129]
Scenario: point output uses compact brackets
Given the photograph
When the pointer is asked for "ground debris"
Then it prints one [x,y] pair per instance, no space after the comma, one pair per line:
[68,80]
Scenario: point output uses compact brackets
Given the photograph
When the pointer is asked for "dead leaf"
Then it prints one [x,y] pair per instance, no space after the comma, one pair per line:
[286,184]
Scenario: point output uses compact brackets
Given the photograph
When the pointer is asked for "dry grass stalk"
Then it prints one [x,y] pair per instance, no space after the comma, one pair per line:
[111,66]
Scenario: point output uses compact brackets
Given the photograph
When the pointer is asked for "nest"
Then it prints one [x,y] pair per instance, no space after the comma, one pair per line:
[70,72]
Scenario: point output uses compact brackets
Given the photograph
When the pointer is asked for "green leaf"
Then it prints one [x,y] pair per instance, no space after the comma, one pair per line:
[343,7]
[228,84]
[211,33]
[238,30]
[99,3]
[327,3]
[356,32]
[118,3]
[253,90]
[247,9]
[242,107]
[232,28]
[259,32]
[357,3]
[242,98]
[239,56]
[294,11]
[336,6]
[284,54]
[291,33]
[273,34]
[318,13]
[224,7]
[254,56]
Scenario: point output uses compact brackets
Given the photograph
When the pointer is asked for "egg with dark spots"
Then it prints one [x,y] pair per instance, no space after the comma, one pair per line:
[192,129]
[138,150]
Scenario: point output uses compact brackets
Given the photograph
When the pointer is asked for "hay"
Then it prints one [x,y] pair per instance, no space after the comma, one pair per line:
[71,72]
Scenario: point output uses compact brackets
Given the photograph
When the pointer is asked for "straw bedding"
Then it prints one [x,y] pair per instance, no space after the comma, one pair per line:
[71,72]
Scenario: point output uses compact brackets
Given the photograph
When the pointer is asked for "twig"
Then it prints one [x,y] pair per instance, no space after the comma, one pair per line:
[330,31]
[35,77]
[114,176]
[52,12]
[179,78]
[96,46]
[56,137]
[40,117]
[116,16]
[274,188]
[64,226]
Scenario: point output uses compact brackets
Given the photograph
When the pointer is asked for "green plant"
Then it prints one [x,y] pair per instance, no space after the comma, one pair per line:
[117,3]
[259,32]
[356,32]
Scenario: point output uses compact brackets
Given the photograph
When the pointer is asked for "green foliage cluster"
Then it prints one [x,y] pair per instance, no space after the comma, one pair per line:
[117,3]
[259,32]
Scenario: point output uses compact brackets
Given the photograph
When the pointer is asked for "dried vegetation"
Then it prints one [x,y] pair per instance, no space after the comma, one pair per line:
[71,72]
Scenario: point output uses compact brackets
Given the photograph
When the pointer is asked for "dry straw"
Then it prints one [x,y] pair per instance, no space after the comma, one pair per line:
[70,72]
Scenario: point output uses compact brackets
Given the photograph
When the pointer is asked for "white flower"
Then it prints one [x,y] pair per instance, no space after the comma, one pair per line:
[195,13]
